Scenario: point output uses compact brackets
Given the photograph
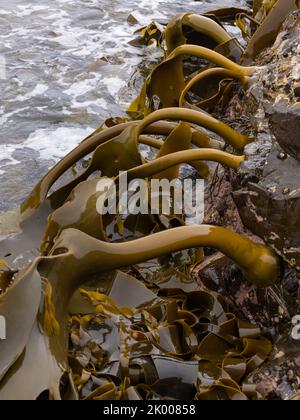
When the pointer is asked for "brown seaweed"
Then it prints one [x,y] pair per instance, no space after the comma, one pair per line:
[214,72]
[174,33]
[92,332]
[83,257]
[41,190]
[268,30]
[167,82]
[80,212]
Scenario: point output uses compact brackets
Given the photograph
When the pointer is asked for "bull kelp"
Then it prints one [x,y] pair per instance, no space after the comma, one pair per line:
[106,306]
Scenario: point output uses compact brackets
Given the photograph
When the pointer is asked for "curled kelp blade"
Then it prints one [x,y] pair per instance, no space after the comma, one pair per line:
[65,272]
[170,272]
[128,291]
[42,358]
[35,360]
[148,35]
[267,32]
[19,305]
[143,346]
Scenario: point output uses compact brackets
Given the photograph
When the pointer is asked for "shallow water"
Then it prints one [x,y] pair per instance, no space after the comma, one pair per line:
[68,66]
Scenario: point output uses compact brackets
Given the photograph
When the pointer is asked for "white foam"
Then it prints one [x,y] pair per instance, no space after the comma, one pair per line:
[50,144]
[6,116]
[29,9]
[114,84]
[55,144]
[101,103]
[39,89]
[80,88]
[6,158]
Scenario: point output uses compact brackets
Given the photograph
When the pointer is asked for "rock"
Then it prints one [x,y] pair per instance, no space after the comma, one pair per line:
[212,271]
[278,380]
[267,193]
[132,20]
[97,64]
[272,309]
[270,208]
[285,125]
[266,197]
[220,208]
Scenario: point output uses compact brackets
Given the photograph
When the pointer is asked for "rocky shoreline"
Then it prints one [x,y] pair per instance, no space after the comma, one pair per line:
[263,201]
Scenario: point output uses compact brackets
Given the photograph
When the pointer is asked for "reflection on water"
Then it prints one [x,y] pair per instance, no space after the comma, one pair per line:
[68,67]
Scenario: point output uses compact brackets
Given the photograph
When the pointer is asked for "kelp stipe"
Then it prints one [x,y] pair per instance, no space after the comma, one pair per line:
[233,137]
[39,193]
[188,156]
[211,56]
[258,262]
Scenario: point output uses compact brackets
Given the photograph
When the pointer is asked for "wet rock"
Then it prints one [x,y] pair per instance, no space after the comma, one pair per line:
[278,380]
[267,194]
[212,270]
[285,125]
[220,208]
[272,309]
[132,20]
[270,208]
[97,64]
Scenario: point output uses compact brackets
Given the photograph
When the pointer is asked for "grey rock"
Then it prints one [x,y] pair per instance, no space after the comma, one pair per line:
[285,125]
